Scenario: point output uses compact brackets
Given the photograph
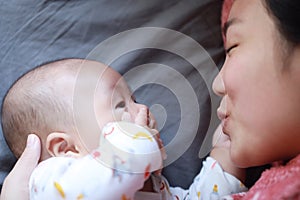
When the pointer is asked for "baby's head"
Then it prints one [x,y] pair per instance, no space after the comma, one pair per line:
[42,102]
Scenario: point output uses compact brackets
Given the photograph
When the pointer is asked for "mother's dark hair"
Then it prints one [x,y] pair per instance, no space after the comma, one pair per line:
[287,17]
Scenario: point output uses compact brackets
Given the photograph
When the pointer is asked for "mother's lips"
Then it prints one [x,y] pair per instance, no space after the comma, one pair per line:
[221,114]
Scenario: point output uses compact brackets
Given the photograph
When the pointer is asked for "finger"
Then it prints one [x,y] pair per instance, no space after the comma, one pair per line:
[28,159]
[217,135]
[162,150]
[220,139]
[142,117]
[151,121]
[160,143]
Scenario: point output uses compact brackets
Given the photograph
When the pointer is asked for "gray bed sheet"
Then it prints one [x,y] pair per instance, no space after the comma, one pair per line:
[36,31]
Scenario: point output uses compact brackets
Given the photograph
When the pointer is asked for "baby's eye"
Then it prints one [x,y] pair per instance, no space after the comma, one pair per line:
[121,104]
[133,99]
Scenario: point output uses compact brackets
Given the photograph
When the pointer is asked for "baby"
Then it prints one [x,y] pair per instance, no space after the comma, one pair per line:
[117,169]
[87,164]
[41,102]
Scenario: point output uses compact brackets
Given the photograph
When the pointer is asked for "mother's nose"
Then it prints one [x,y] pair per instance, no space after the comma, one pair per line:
[218,85]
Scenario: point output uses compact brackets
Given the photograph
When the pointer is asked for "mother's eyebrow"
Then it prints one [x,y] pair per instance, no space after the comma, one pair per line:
[228,24]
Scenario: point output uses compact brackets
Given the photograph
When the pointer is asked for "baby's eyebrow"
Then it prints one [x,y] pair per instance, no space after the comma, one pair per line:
[130,90]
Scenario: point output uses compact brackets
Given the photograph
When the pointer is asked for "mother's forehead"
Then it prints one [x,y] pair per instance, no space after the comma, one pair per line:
[244,8]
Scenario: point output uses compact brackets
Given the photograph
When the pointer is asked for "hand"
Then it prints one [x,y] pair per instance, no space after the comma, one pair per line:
[220,139]
[144,118]
[16,183]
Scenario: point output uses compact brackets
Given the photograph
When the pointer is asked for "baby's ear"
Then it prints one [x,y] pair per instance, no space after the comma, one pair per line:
[61,144]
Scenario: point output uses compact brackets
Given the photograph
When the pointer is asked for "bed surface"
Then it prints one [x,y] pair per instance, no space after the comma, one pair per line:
[33,32]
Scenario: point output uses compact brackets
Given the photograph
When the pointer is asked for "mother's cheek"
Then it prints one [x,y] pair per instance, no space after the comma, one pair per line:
[234,75]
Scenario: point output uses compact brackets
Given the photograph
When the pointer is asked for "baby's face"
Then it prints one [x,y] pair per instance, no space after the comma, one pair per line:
[113,101]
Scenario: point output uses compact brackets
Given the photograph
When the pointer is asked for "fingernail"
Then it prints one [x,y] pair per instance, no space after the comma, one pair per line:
[31,140]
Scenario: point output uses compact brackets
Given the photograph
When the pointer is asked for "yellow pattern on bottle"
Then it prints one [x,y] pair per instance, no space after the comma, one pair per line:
[142,134]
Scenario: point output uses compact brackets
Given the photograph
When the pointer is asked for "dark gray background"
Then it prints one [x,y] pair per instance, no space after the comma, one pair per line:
[35,31]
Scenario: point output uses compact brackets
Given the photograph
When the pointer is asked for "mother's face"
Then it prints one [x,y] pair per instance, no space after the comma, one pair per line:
[260,85]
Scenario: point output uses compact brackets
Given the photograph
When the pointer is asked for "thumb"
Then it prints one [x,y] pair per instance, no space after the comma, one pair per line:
[29,157]
[142,117]
[19,177]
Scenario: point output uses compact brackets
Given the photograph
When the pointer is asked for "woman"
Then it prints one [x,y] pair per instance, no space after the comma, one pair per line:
[259,83]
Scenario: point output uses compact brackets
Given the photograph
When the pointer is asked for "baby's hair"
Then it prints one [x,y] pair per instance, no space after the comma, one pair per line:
[34,104]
